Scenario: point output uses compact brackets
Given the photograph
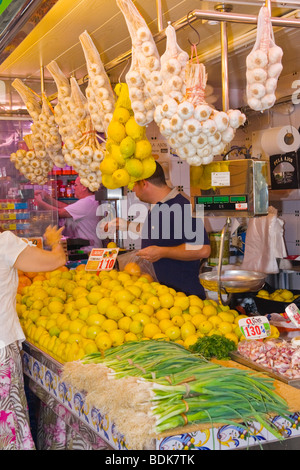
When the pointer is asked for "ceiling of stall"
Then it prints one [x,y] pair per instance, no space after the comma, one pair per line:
[56,37]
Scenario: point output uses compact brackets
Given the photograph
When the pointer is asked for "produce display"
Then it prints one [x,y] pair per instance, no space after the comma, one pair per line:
[68,313]
[279,295]
[150,387]
[279,356]
[128,155]
[263,65]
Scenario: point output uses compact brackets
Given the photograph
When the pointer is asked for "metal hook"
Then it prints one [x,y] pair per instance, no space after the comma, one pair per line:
[191,26]
[123,71]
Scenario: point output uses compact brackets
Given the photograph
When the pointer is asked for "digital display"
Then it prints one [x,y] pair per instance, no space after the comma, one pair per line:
[238,199]
[221,199]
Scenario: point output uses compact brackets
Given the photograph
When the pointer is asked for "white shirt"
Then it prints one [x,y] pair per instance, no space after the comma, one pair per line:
[83,213]
[10,328]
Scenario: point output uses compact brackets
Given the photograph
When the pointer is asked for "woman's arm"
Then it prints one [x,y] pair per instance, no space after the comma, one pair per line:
[35,259]
[184,252]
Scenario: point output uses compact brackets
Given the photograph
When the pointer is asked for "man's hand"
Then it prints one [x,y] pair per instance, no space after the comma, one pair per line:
[151,253]
[38,200]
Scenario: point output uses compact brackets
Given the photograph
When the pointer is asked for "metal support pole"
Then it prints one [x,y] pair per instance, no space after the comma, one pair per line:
[42,79]
[159,16]
[224,56]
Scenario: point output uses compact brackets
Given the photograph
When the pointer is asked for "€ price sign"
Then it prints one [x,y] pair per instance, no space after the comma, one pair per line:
[255,327]
[102,259]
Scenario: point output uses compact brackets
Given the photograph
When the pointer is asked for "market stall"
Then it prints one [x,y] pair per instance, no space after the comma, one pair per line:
[122,361]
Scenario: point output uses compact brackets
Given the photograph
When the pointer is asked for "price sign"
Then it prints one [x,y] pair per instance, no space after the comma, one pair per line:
[102,259]
[255,327]
[293,313]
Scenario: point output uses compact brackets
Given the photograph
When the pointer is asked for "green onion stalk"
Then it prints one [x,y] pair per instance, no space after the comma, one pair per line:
[188,389]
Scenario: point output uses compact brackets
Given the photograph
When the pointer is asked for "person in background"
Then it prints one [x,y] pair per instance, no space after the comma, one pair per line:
[17,254]
[172,239]
[80,217]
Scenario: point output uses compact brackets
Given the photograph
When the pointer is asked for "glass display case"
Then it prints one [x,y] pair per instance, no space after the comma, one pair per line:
[17,210]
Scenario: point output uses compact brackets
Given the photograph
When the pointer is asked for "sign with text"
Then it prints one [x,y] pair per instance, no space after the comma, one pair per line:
[255,327]
[102,259]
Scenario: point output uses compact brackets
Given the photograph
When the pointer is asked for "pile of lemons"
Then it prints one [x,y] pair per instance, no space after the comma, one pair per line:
[128,156]
[279,295]
[73,312]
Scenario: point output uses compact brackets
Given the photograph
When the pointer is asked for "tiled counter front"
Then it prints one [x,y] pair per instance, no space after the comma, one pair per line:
[45,373]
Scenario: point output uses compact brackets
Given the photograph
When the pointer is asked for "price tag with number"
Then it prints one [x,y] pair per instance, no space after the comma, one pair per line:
[102,259]
[255,327]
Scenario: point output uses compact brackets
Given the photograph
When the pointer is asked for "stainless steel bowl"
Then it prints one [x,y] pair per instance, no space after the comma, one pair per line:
[233,280]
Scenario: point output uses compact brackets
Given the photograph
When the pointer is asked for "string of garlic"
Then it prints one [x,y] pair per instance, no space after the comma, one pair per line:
[99,93]
[143,78]
[263,66]
[192,128]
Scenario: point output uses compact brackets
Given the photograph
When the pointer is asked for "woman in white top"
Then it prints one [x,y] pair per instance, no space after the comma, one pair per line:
[16,254]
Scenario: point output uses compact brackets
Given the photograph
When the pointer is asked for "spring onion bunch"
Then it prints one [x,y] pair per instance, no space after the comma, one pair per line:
[188,389]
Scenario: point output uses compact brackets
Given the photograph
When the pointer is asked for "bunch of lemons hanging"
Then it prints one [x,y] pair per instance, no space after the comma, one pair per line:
[128,156]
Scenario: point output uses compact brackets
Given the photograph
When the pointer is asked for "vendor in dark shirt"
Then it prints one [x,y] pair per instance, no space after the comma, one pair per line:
[172,239]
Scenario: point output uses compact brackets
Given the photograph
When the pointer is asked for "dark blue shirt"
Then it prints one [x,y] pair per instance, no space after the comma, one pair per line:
[168,224]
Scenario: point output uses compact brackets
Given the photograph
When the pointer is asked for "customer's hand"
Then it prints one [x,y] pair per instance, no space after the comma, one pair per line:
[53,235]
[151,253]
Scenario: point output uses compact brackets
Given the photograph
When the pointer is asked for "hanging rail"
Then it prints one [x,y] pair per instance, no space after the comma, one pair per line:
[208,15]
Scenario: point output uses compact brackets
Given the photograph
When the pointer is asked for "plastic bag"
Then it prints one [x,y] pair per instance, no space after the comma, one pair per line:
[263,65]
[264,243]
[131,257]
[99,93]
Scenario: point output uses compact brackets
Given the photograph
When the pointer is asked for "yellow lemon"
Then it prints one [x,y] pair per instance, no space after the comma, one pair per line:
[95,319]
[147,309]
[143,149]
[55,307]
[133,129]
[124,324]
[103,304]
[166,300]
[103,342]
[117,337]
[178,320]
[209,310]
[154,302]
[93,297]
[239,317]
[226,316]
[195,301]
[225,327]
[233,337]
[175,311]
[114,312]
[162,314]
[74,338]
[136,327]
[165,324]
[109,325]
[190,340]
[150,330]
[182,301]
[205,327]
[172,332]
[141,317]
[131,310]
[63,335]
[197,319]
[91,331]
[130,337]
[215,320]
[195,310]
[90,347]
[81,302]
[187,329]
[75,326]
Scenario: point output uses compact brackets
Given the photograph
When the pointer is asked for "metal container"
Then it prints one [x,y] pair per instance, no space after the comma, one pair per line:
[233,281]
[215,243]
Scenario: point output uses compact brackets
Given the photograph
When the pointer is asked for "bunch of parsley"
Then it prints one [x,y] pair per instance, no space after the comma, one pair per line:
[213,346]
